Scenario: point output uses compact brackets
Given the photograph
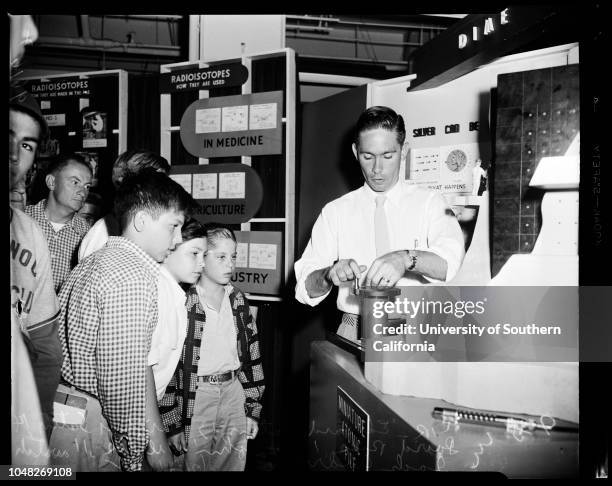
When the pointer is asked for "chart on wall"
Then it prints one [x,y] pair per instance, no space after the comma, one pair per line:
[447,168]
[242,125]
[259,261]
[447,137]
[225,193]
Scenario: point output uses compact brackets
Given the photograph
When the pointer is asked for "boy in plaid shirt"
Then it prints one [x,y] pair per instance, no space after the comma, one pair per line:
[109,416]
[211,420]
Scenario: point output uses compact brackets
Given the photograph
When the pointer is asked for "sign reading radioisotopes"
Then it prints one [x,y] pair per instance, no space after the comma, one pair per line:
[221,76]
[234,125]
[59,87]
[258,262]
[226,193]
[352,434]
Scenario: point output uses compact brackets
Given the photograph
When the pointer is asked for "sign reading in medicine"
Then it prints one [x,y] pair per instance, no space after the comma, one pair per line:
[258,262]
[353,430]
[226,193]
[234,125]
[220,76]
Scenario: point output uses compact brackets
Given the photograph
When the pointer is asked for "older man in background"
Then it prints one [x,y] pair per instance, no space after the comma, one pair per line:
[68,181]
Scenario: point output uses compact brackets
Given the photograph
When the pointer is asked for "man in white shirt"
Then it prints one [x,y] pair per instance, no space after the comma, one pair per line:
[385,233]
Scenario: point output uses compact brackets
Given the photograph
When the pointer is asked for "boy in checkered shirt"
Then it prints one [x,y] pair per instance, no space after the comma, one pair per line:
[109,417]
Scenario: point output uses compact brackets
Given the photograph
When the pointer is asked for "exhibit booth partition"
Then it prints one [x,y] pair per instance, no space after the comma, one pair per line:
[228,128]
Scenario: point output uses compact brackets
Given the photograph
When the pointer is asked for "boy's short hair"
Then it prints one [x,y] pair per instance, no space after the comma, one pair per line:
[21,100]
[380,117]
[192,229]
[61,161]
[153,192]
[215,231]
[131,162]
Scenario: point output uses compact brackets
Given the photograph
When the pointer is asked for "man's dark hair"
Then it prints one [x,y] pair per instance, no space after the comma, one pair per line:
[61,161]
[131,162]
[153,192]
[192,229]
[216,231]
[380,117]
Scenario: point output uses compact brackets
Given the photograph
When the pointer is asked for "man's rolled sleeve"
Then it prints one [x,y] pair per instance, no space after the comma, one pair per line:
[321,252]
[301,294]
[445,237]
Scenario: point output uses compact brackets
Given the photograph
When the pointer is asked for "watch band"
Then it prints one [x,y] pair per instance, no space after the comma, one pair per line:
[413,262]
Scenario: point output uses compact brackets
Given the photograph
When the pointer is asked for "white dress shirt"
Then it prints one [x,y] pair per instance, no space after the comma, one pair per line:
[417,218]
[170,332]
[98,234]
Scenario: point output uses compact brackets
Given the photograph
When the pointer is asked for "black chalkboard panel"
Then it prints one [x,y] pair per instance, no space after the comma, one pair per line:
[538,115]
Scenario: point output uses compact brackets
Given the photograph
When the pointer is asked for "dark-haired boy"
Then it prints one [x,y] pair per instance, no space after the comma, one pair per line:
[68,181]
[108,314]
[129,163]
[33,302]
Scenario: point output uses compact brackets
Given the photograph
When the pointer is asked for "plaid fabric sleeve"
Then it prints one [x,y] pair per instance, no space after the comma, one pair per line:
[169,406]
[126,311]
[251,374]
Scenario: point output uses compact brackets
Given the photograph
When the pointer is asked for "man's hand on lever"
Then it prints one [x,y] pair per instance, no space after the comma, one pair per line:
[320,281]
[387,269]
[345,270]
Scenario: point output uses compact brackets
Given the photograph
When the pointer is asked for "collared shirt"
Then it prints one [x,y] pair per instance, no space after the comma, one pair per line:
[98,235]
[63,244]
[170,332]
[219,352]
[416,218]
[108,315]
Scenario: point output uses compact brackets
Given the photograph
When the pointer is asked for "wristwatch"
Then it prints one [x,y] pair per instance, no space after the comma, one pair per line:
[413,260]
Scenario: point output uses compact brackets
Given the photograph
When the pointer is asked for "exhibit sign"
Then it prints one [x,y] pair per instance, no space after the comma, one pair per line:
[221,76]
[226,193]
[478,39]
[447,169]
[58,87]
[234,125]
[352,434]
[258,262]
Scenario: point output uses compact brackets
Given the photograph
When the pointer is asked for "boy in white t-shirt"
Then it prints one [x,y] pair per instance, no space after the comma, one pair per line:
[183,265]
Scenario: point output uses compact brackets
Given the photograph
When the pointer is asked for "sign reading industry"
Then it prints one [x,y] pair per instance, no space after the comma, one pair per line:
[221,76]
